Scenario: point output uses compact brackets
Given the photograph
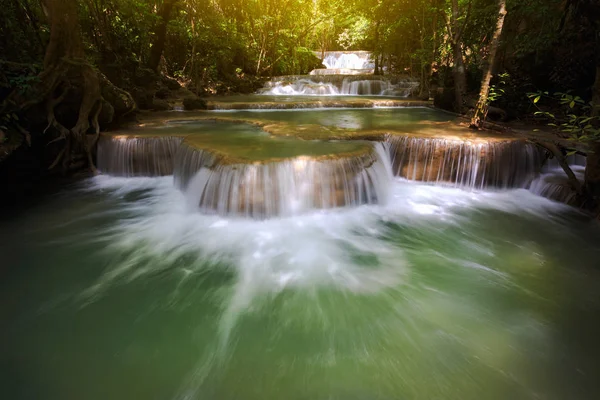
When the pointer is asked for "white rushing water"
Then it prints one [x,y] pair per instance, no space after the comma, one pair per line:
[347,60]
[300,184]
[351,252]
[509,164]
[346,87]
[553,183]
[315,248]
[283,188]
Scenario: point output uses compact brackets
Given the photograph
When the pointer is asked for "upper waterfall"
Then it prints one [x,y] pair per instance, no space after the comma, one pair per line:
[347,73]
[346,59]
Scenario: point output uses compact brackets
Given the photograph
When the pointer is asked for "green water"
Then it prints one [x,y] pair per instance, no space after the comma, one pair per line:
[355,119]
[114,290]
[246,142]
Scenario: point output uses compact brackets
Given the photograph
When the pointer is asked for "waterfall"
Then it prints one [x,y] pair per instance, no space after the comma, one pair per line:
[286,187]
[137,156]
[339,85]
[340,71]
[365,87]
[347,60]
[300,87]
[553,182]
[509,164]
[283,188]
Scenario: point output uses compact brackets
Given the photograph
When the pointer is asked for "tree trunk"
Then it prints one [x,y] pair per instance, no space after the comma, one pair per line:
[592,169]
[160,34]
[376,71]
[482,105]
[65,68]
[460,78]
[596,90]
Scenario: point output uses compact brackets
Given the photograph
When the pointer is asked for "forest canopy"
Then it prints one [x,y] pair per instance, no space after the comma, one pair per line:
[206,42]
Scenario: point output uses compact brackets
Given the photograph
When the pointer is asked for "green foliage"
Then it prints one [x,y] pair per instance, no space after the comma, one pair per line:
[354,36]
[497,90]
[573,115]
[223,40]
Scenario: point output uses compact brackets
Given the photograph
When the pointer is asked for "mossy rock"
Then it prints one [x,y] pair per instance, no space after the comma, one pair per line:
[160,105]
[194,103]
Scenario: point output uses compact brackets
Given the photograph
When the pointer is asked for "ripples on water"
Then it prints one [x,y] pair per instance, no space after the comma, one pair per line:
[123,292]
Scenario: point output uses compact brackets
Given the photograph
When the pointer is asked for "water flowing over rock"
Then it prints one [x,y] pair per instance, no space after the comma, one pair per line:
[341,71]
[346,59]
[553,182]
[285,188]
[340,85]
[220,177]
[505,164]
[137,156]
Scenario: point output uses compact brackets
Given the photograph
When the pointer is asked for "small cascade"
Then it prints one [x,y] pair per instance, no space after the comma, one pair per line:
[137,156]
[554,185]
[340,85]
[510,164]
[288,187]
[365,87]
[553,182]
[300,87]
[341,71]
[347,59]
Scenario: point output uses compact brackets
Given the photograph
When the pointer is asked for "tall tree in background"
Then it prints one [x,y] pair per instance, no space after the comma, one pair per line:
[456,22]
[482,104]
[160,33]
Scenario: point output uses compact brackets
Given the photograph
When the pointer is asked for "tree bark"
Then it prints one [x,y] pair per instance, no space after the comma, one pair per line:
[455,33]
[557,152]
[65,70]
[481,108]
[376,71]
[460,79]
[160,32]
[592,169]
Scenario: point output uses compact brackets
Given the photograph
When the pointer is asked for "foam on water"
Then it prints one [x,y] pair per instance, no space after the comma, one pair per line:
[310,250]
[299,86]
[421,289]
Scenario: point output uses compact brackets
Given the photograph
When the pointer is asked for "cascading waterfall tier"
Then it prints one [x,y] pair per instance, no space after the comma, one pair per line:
[220,176]
[340,85]
[347,60]
[502,164]
[282,188]
[137,156]
[553,182]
